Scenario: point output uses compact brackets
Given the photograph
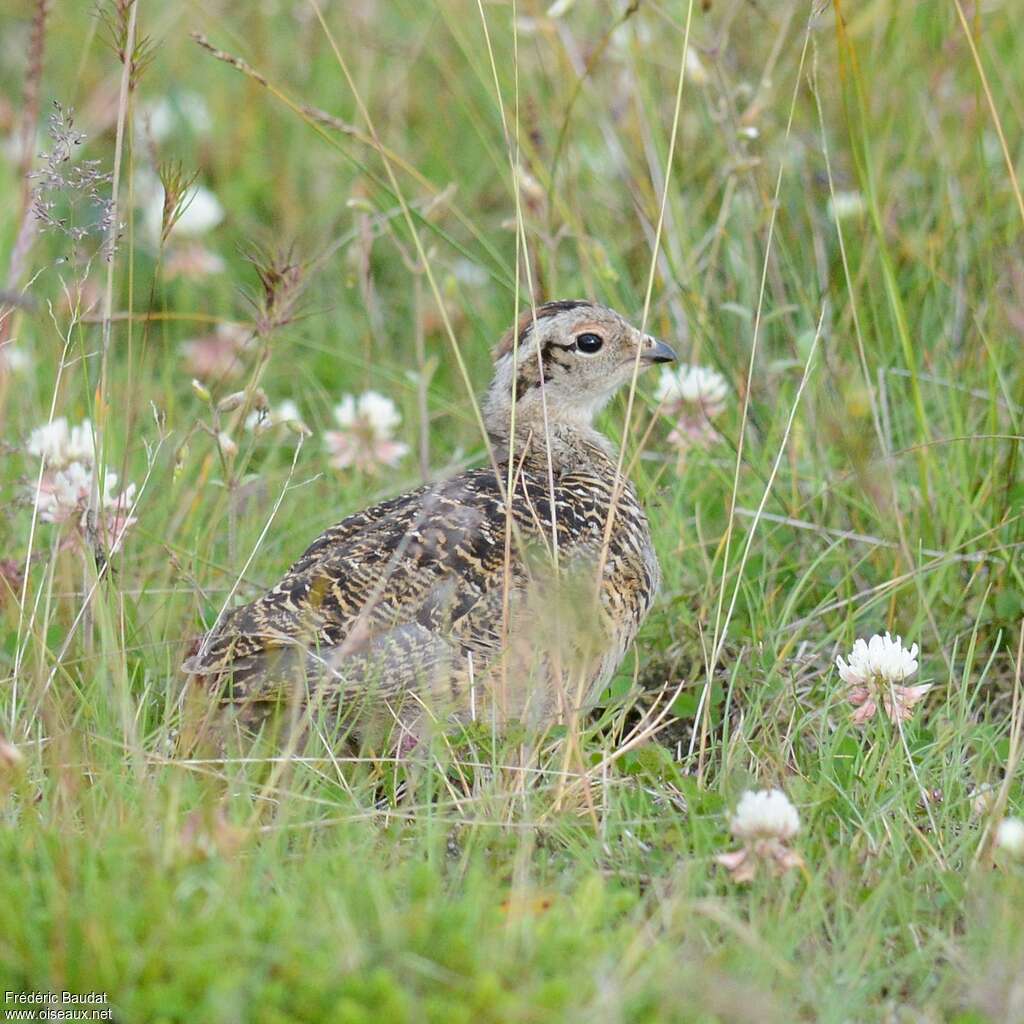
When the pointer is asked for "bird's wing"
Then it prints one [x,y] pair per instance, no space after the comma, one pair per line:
[404,658]
[270,620]
[433,558]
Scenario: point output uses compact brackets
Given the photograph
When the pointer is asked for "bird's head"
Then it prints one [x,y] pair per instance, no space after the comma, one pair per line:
[563,363]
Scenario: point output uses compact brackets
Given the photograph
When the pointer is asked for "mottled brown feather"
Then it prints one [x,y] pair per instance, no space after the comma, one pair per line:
[417,594]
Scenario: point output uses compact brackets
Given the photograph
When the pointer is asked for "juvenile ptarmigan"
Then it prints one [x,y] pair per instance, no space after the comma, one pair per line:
[455,602]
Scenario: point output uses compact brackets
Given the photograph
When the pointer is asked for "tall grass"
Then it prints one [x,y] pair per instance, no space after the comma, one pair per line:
[403,176]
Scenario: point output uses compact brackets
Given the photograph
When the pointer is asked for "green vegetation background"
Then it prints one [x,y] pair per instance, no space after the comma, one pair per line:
[489,885]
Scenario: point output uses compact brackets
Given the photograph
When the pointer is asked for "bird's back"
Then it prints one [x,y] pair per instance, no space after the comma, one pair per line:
[432,582]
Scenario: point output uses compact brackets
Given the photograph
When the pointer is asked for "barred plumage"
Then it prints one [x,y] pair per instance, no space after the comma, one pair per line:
[456,600]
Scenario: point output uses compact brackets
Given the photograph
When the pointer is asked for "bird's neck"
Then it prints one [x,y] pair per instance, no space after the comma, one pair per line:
[561,443]
[540,430]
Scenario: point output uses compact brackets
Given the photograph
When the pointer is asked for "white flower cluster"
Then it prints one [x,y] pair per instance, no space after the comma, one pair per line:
[365,435]
[875,672]
[765,814]
[693,396]
[879,659]
[64,489]
[693,385]
[58,445]
[764,822]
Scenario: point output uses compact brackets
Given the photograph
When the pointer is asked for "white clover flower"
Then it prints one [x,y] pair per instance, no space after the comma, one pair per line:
[50,441]
[261,420]
[764,822]
[694,395]
[373,409]
[845,205]
[875,673]
[765,814]
[1010,837]
[57,445]
[880,658]
[365,439]
[64,494]
[698,386]
[82,443]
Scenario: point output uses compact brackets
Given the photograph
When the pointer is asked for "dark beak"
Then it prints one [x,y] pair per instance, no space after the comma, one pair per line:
[658,352]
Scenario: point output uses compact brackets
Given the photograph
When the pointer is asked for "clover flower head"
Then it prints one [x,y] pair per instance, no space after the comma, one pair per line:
[371,410]
[875,672]
[692,386]
[880,658]
[765,814]
[764,822]
[64,493]
[694,396]
[64,489]
[57,445]
[365,438]
[62,496]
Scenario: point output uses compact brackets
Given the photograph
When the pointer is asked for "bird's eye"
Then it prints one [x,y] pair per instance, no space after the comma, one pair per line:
[588,344]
